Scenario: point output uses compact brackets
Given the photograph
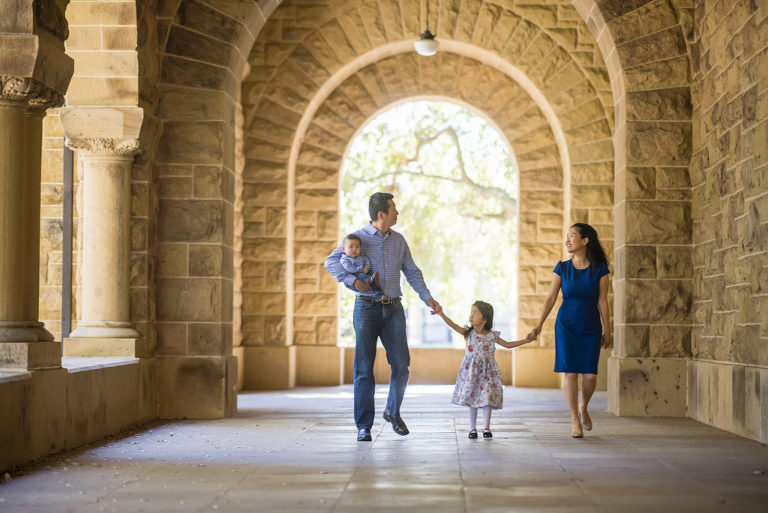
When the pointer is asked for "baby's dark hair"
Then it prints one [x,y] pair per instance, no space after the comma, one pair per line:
[486,310]
[352,236]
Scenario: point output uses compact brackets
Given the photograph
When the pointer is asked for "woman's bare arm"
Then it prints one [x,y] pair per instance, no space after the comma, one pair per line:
[549,303]
[602,305]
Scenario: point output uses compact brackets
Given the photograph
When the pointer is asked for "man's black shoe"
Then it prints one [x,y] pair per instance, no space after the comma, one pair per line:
[397,424]
[364,435]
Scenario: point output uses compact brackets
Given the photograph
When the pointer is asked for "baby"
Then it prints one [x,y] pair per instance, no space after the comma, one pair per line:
[357,264]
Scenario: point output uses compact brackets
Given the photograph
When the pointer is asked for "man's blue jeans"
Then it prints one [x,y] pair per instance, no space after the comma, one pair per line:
[371,321]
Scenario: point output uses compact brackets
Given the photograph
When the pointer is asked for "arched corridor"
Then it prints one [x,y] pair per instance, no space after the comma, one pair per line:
[169,183]
[292,451]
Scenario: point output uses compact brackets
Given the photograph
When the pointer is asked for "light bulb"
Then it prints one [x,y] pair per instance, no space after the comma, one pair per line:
[427,44]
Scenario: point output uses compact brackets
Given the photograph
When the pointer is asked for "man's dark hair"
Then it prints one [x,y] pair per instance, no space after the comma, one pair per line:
[379,203]
[352,236]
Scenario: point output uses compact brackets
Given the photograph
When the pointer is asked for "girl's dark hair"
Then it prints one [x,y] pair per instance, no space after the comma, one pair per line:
[595,251]
[486,310]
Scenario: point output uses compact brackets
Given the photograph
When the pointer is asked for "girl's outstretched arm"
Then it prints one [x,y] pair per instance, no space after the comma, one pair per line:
[516,343]
[449,322]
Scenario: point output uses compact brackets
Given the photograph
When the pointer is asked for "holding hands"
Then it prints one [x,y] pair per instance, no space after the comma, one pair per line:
[605,342]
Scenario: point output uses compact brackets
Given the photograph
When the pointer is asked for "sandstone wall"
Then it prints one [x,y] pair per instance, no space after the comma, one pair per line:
[644,46]
[729,175]
[203,47]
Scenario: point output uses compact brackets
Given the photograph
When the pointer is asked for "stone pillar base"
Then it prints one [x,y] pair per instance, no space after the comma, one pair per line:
[647,387]
[24,332]
[532,368]
[269,368]
[197,387]
[105,330]
[30,355]
[319,366]
[106,347]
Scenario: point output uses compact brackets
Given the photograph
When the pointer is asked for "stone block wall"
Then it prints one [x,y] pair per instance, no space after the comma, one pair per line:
[644,46]
[205,45]
[729,177]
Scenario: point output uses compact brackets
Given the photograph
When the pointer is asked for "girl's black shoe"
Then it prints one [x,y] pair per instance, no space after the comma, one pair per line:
[486,433]
[473,434]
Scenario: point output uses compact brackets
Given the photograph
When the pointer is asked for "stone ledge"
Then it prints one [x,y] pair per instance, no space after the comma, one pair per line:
[9,376]
[81,364]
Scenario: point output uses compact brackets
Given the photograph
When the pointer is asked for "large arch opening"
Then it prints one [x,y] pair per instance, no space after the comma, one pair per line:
[456,185]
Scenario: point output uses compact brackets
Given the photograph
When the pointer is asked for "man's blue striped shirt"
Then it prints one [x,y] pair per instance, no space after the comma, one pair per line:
[389,255]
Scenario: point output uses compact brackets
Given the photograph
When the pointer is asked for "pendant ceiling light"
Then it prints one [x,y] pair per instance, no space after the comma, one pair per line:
[427,44]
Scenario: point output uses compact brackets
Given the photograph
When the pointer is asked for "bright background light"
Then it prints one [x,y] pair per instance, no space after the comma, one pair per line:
[462,230]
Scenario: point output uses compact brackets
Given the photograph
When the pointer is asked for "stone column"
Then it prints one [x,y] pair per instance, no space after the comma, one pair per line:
[106,141]
[34,74]
[24,342]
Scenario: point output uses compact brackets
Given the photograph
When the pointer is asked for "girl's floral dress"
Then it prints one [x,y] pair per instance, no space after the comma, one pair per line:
[479,380]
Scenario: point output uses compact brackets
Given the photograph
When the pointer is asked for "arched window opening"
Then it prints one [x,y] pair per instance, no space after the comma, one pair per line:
[456,186]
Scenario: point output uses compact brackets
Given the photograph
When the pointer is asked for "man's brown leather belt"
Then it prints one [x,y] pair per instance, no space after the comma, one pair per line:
[384,300]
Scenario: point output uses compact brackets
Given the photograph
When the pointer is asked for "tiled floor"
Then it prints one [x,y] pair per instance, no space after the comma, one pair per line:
[296,451]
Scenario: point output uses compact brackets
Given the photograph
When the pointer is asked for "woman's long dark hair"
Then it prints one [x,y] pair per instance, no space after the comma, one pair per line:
[486,310]
[595,251]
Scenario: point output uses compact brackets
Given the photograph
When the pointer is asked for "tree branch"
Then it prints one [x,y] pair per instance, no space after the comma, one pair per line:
[508,203]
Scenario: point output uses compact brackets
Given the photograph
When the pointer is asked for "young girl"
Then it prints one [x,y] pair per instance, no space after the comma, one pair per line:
[479,382]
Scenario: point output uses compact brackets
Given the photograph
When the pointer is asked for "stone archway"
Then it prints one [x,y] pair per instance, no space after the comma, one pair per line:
[299,78]
[632,58]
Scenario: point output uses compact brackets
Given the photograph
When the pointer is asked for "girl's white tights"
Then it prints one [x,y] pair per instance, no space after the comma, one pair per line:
[473,417]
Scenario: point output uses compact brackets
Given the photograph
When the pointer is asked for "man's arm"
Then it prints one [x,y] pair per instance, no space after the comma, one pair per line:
[415,277]
[333,266]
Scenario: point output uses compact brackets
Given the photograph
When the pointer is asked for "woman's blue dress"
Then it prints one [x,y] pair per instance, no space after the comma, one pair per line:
[578,330]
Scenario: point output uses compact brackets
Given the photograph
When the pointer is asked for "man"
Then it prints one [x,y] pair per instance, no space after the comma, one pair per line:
[380,314]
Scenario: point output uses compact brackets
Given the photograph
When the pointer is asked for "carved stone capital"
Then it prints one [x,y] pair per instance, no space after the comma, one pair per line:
[30,91]
[106,147]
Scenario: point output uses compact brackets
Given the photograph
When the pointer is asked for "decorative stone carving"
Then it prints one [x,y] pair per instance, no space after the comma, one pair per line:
[29,90]
[114,147]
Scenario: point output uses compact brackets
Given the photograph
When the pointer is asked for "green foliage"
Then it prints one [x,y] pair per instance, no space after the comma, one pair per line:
[458,205]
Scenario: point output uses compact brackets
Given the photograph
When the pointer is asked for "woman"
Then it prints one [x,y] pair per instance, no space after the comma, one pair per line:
[578,332]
